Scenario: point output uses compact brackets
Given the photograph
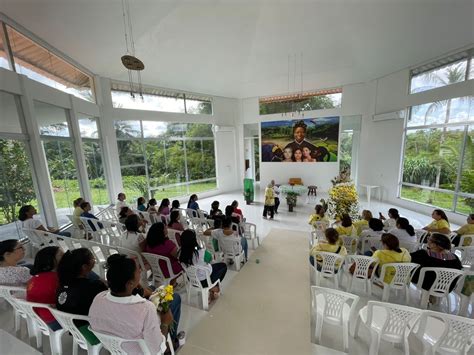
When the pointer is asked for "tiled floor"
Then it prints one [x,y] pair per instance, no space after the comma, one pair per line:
[294,221]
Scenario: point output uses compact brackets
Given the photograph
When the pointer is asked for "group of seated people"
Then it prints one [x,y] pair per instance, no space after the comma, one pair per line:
[391,232]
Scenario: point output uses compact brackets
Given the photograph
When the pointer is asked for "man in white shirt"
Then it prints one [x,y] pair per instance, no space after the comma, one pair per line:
[276,191]
[120,202]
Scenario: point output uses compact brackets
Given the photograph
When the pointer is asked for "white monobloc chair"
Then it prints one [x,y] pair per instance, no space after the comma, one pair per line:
[402,274]
[350,243]
[114,344]
[37,242]
[410,246]
[361,271]
[157,263]
[440,287]
[108,214]
[330,266]
[467,239]
[9,294]
[250,233]
[464,300]
[173,235]
[37,327]
[231,248]
[193,282]
[333,307]
[387,321]
[78,340]
[442,333]
[316,236]
[467,255]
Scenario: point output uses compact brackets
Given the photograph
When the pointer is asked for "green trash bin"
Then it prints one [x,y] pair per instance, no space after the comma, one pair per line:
[248,191]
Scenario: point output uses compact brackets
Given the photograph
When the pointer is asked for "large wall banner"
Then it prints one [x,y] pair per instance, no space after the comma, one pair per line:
[309,140]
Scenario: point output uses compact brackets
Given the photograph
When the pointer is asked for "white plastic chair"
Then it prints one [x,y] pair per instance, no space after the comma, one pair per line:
[330,266]
[372,242]
[77,227]
[361,271]
[190,213]
[402,274]
[67,322]
[333,307]
[175,236]
[157,262]
[421,235]
[411,247]
[108,214]
[466,255]
[320,225]
[114,344]
[316,236]
[231,247]
[164,218]
[193,282]
[36,241]
[440,287]
[37,326]
[9,294]
[250,233]
[350,243]
[144,215]
[387,321]
[456,335]
[468,239]
[105,232]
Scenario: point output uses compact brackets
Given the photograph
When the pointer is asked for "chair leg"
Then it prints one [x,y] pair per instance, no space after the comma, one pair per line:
[407,295]
[345,335]
[237,263]
[17,321]
[55,342]
[93,349]
[205,299]
[188,291]
[349,285]
[75,347]
[386,293]
[356,327]
[336,282]
[369,287]
[318,329]
[463,306]
[374,343]
[424,299]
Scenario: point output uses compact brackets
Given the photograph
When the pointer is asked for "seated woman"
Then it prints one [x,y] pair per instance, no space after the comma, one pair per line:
[157,242]
[392,218]
[175,223]
[375,228]
[467,229]
[215,212]
[141,204]
[192,203]
[77,212]
[404,231]
[437,255]
[44,284]
[151,208]
[86,207]
[25,215]
[237,210]
[175,205]
[234,217]
[124,213]
[192,254]
[214,232]
[227,231]
[133,239]
[164,207]
[363,223]
[391,253]
[346,227]
[319,215]
[122,312]
[440,223]
[332,245]
[11,252]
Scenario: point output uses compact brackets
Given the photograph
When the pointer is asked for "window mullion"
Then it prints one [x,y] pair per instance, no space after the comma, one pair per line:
[461,161]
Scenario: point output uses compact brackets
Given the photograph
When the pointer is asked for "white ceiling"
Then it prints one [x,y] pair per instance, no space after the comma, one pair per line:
[240,48]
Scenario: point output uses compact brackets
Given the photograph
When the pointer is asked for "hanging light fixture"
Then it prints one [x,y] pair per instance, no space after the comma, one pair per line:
[296,97]
[129,60]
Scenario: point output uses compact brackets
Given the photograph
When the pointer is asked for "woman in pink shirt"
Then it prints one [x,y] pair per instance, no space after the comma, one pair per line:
[174,221]
[157,242]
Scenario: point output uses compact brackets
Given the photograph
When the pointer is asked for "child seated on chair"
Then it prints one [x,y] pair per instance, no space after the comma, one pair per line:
[331,245]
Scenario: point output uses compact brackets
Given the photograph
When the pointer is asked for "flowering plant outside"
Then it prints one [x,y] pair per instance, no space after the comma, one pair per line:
[162,298]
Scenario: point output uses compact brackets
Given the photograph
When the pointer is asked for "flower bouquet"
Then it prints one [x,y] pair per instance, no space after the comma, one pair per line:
[162,298]
[343,198]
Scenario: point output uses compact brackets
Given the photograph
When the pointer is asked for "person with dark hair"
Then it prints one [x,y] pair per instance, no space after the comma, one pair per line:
[76,290]
[121,197]
[227,232]
[192,204]
[43,285]
[86,207]
[404,231]
[133,239]
[467,229]
[391,253]
[346,227]
[164,208]
[440,223]
[299,142]
[151,207]
[375,228]
[11,252]
[215,212]
[391,222]
[438,255]
[363,222]
[192,254]
[123,312]
[331,245]
[175,223]
[214,232]
[230,213]
[318,215]
[237,210]
[124,213]
[297,155]
[157,242]
[269,203]
[77,212]
[175,205]
[141,204]
[25,215]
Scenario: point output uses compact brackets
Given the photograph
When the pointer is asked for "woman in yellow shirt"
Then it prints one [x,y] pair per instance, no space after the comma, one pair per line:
[331,245]
[466,229]
[440,223]
[346,227]
[391,253]
[363,223]
[319,215]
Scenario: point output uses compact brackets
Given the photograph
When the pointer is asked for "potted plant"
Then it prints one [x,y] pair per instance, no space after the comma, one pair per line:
[291,198]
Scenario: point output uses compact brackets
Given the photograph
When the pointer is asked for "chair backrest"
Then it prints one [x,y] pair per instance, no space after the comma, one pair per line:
[350,243]
[175,236]
[9,293]
[64,243]
[163,218]
[333,302]
[108,214]
[457,335]
[190,213]
[230,245]
[330,262]
[411,247]
[467,255]
[403,272]
[421,235]
[74,220]
[467,239]
[114,344]
[27,308]
[67,322]
[143,215]
[320,225]
[37,241]
[250,230]
[362,265]
[192,271]
[398,319]
[158,263]
[443,280]
[373,242]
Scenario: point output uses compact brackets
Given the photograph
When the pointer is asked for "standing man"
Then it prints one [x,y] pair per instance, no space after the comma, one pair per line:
[276,193]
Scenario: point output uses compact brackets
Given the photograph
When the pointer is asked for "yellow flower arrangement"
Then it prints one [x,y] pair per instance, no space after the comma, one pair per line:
[343,199]
[162,298]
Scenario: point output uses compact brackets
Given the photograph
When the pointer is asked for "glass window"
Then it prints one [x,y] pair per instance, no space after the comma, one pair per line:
[52,120]
[135,182]
[439,199]
[16,186]
[128,129]
[123,99]
[130,152]
[9,113]
[196,105]
[345,159]
[3,54]
[40,64]
[88,127]
[445,75]
[465,203]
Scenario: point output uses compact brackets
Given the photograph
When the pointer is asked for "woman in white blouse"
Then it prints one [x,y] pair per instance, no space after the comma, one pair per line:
[404,231]
[11,252]
[25,215]
[133,239]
